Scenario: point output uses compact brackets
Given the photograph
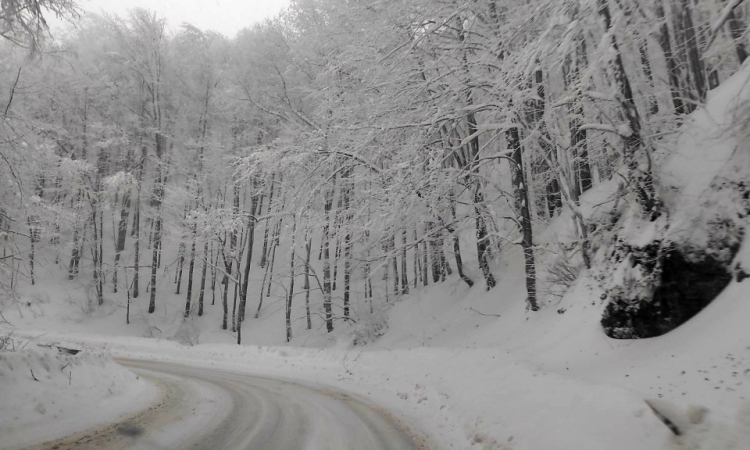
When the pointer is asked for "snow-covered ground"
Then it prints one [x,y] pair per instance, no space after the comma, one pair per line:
[469,368]
[521,380]
[46,393]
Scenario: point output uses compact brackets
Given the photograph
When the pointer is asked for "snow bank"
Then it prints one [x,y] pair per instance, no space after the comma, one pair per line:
[45,394]
[707,141]
[705,179]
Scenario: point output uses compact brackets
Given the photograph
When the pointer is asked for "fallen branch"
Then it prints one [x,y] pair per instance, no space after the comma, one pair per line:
[671,425]
[483,314]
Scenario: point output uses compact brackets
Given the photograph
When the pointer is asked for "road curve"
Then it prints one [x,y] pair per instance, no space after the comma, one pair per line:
[203,408]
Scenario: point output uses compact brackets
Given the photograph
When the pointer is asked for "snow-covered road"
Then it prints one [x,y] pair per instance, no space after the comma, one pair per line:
[203,408]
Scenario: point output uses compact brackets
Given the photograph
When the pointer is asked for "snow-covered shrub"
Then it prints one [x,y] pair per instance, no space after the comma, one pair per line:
[563,269]
[8,343]
[39,298]
[188,332]
[84,306]
[369,327]
[722,219]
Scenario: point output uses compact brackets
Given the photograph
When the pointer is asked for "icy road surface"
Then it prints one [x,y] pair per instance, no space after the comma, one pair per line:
[203,408]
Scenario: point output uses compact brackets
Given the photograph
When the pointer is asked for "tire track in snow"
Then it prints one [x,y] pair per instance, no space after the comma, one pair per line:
[201,408]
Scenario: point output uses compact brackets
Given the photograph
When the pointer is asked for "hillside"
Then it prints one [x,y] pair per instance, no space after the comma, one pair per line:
[484,226]
[478,363]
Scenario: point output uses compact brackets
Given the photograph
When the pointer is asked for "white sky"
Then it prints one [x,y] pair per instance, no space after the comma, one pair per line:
[224,16]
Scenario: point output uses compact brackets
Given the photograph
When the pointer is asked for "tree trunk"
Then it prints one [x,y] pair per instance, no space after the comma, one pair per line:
[274,246]
[202,292]
[157,241]
[366,268]
[137,243]
[673,71]
[100,291]
[687,51]
[445,266]
[234,304]
[229,261]
[180,265]
[404,268]
[224,302]
[473,180]
[537,128]
[262,290]
[482,237]
[426,252]
[347,191]
[250,242]
[578,137]
[240,278]
[646,64]
[191,267]
[137,223]
[215,259]
[457,246]
[386,269]
[95,249]
[394,263]
[75,256]
[308,250]
[417,260]
[290,294]
[32,238]
[263,257]
[522,214]
[737,28]
[434,254]
[337,222]
[327,301]
[122,231]
[161,227]
[643,179]
[695,59]
[158,199]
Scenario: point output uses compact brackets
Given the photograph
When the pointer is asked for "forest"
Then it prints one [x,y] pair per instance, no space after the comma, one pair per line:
[347,152]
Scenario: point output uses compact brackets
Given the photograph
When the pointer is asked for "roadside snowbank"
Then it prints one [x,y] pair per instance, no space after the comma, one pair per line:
[45,394]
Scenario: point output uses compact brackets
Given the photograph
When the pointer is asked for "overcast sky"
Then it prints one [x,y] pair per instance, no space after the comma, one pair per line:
[224,16]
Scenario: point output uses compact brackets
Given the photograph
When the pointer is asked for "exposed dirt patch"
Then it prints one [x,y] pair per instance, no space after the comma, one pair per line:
[686,284]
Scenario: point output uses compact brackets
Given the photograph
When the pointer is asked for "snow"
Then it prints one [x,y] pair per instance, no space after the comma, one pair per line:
[705,146]
[45,394]
[469,368]
[468,379]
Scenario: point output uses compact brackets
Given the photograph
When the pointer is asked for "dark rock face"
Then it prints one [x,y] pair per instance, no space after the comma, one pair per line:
[675,276]
[686,283]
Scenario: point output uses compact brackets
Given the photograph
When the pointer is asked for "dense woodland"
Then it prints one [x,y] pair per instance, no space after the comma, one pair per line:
[347,152]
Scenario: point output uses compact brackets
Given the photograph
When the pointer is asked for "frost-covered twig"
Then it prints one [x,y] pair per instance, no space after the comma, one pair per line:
[622,131]
[723,17]
[483,314]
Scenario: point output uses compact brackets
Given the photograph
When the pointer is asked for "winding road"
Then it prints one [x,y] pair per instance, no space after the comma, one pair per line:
[203,408]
